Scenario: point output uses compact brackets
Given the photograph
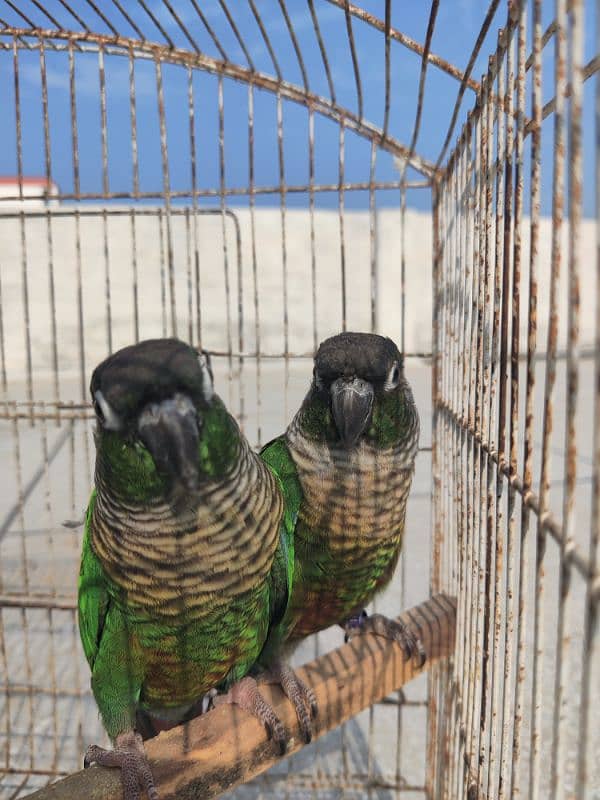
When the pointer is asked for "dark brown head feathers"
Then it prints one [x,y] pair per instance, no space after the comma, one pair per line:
[149,371]
[364,355]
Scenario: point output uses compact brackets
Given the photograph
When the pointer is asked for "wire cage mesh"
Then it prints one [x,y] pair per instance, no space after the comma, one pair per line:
[144,224]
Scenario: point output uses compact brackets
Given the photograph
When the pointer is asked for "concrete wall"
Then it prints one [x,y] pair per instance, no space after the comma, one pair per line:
[91,257]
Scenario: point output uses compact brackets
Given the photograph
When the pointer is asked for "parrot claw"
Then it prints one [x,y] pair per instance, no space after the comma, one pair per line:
[208,701]
[130,757]
[246,695]
[353,625]
[390,629]
[298,693]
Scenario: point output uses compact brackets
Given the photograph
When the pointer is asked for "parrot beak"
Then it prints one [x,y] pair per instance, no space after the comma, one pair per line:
[351,403]
[170,432]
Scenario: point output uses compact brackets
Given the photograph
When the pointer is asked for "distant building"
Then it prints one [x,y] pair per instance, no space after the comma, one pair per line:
[36,192]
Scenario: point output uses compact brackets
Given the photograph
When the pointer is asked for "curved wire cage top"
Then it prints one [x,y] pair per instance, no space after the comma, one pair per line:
[251,43]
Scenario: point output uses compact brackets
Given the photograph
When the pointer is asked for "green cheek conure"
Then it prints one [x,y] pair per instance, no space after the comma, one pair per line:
[347,460]
[187,554]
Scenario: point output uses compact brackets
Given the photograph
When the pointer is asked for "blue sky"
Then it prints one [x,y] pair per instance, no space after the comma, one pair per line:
[457,26]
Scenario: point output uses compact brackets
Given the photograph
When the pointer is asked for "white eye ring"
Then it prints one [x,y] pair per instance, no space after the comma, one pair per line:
[207,376]
[110,419]
[393,378]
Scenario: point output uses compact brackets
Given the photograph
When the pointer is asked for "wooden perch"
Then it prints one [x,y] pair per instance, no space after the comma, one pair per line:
[219,750]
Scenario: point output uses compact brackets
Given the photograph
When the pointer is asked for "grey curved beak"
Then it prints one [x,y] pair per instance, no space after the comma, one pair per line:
[170,432]
[351,404]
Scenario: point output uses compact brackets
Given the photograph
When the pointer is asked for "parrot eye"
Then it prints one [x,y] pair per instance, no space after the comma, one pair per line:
[393,378]
[98,411]
[105,414]
[207,375]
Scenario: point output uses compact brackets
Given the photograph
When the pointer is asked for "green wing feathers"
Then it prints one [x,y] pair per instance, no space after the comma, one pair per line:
[116,674]
[93,598]
[276,455]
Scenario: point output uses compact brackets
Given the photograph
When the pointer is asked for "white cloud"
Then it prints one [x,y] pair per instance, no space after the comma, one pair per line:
[87,77]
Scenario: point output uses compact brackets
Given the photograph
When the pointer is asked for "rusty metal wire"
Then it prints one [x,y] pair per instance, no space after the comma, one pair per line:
[523,565]
[260,268]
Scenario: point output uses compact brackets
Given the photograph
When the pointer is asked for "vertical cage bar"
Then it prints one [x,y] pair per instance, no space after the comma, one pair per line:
[540,697]
[311,212]
[480,504]
[564,733]
[188,275]
[106,192]
[163,282]
[588,756]
[133,122]
[222,205]
[49,614]
[136,191]
[402,269]
[388,74]
[513,556]
[465,273]
[49,237]
[497,176]
[3,372]
[433,712]
[448,222]
[22,229]
[6,710]
[373,239]
[24,562]
[473,470]
[256,297]
[528,541]
[194,186]
[77,193]
[164,151]
[493,534]
[341,218]
[284,252]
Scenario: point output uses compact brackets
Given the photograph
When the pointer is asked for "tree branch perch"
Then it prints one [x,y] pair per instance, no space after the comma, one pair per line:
[226,747]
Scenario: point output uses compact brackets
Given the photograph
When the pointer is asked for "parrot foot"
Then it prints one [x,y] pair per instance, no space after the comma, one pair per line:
[298,693]
[246,695]
[390,629]
[130,757]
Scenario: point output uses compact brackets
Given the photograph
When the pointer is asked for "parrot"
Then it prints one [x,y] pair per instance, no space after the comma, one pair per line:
[346,462]
[187,556]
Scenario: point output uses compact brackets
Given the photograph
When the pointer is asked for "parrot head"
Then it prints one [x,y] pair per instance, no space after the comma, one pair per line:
[152,401]
[358,391]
